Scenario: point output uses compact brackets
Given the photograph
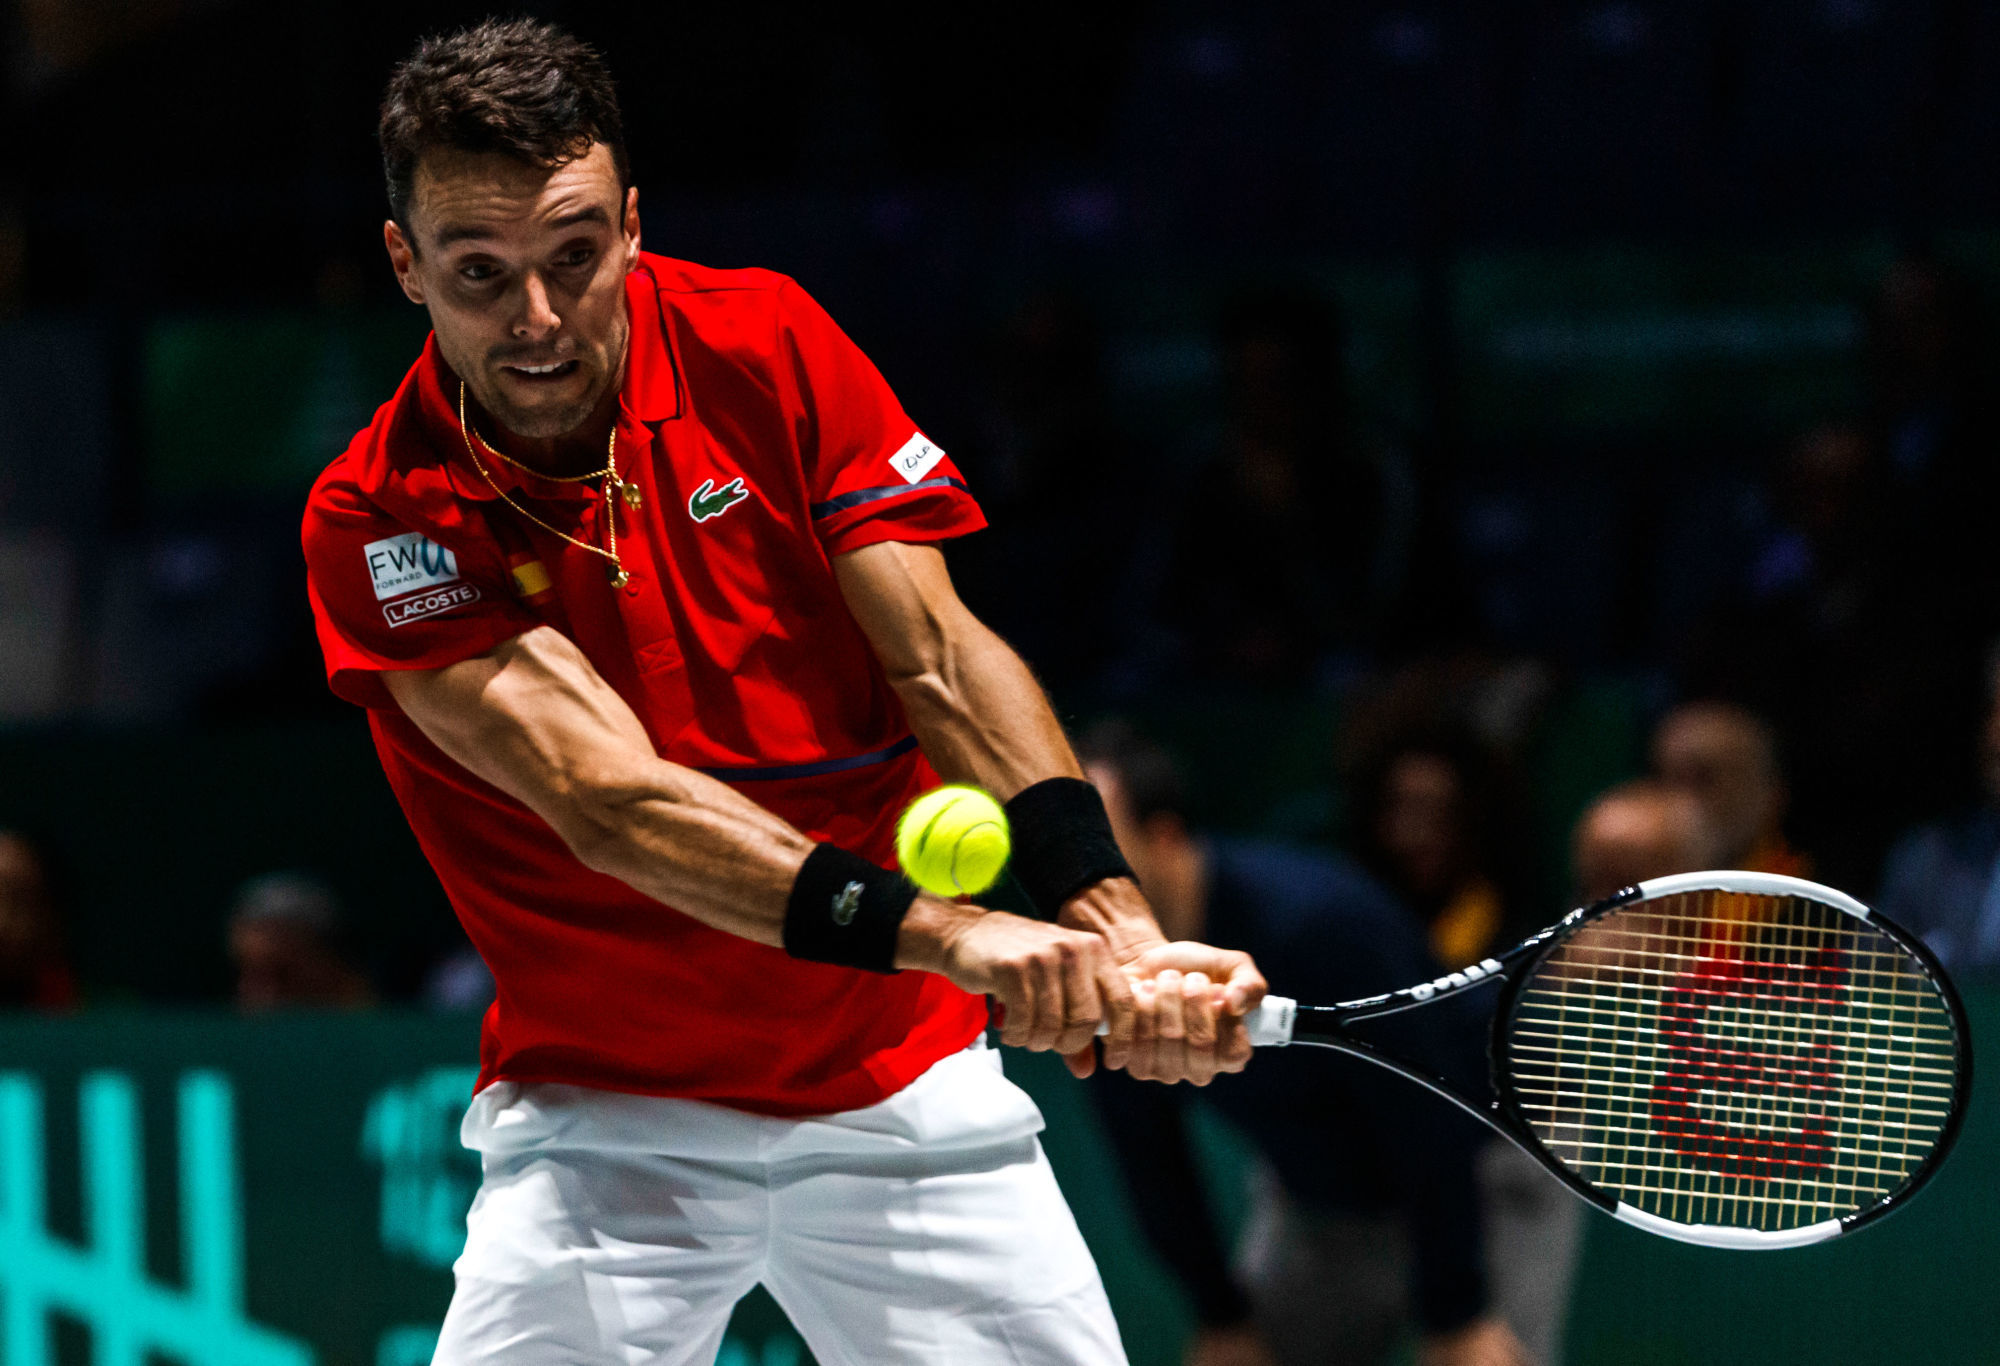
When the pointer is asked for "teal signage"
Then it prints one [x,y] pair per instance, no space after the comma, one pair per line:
[104,1282]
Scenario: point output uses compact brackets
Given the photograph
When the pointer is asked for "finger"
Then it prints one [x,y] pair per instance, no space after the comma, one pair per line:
[1233,1049]
[1017,1006]
[1114,990]
[1173,1023]
[1081,1008]
[1082,1062]
[1170,1057]
[1048,980]
[1246,986]
[1198,1010]
[1142,1062]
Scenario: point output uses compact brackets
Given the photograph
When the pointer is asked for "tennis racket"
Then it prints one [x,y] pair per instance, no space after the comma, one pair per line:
[1738,1060]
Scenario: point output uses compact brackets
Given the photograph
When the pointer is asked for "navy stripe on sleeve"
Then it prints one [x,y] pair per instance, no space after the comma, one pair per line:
[774,772]
[860,496]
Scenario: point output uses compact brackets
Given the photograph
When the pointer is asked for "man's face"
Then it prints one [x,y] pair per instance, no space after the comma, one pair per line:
[523,271]
[1722,763]
[1622,840]
[1422,826]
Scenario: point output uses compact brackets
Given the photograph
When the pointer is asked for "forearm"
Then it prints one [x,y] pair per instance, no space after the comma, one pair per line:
[711,853]
[983,719]
[534,719]
[690,842]
[981,716]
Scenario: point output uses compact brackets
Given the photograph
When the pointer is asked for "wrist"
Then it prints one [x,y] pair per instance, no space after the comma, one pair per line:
[930,930]
[1063,844]
[1116,911]
[846,911]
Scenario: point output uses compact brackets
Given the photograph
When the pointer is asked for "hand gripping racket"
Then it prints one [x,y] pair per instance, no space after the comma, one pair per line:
[1738,1060]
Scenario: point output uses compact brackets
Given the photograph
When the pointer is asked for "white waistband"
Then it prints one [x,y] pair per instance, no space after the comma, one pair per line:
[963,1101]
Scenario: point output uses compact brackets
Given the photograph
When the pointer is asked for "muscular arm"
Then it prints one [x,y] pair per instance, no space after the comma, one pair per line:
[535,719]
[982,718]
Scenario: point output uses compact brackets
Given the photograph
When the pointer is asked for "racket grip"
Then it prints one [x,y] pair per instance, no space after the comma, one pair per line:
[1270,1024]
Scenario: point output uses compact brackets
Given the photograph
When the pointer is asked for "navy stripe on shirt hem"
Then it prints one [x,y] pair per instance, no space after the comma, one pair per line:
[775,772]
[860,496]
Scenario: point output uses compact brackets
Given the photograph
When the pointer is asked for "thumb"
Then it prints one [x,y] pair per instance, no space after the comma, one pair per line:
[1083,1062]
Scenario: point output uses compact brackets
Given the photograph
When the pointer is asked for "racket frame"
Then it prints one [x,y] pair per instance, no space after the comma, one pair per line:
[1326,1027]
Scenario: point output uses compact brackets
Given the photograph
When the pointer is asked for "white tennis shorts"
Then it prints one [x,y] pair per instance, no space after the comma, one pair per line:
[622,1229]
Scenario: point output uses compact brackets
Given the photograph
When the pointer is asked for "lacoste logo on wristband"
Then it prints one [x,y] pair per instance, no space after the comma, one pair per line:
[847,903]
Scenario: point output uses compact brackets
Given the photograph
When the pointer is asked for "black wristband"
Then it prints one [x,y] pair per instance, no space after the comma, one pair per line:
[1062,841]
[845,910]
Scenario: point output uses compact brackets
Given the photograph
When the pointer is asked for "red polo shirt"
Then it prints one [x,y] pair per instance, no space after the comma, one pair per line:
[763,443]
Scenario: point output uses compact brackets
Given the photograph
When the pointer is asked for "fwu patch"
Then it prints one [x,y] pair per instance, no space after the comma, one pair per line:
[917,458]
[429,604]
[402,564]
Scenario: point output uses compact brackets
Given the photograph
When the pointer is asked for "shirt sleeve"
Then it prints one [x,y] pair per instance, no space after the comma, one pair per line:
[385,597]
[871,474]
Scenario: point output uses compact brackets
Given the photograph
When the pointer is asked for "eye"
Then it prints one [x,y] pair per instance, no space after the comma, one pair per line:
[576,256]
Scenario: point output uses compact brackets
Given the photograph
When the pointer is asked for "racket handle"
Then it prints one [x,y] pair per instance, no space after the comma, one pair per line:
[1270,1023]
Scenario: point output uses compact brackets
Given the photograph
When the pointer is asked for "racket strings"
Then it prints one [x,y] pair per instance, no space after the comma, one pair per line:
[1735,1058]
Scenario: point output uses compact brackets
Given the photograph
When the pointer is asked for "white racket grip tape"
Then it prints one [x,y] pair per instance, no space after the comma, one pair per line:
[1270,1023]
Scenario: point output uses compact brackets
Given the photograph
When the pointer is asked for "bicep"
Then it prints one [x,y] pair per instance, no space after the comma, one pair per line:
[531,716]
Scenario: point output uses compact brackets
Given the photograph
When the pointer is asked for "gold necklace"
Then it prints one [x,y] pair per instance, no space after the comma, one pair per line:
[609,550]
[627,490]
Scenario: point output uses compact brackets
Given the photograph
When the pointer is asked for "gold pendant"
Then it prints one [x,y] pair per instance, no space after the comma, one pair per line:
[631,494]
[619,578]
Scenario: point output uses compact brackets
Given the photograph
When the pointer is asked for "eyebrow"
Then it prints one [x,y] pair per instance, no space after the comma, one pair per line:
[454,233]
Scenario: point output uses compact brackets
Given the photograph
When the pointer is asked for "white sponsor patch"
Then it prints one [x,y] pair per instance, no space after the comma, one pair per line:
[917,458]
[429,604]
[403,564]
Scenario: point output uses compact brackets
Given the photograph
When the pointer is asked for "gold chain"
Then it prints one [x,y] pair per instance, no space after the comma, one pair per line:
[609,550]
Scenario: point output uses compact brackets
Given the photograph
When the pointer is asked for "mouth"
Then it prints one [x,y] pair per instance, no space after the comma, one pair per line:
[542,374]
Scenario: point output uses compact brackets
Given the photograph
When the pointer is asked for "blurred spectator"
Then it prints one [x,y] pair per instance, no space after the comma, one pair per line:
[1431,820]
[34,971]
[1849,652]
[1942,880]
[1726,758]
[288,940]
[460,980]
[1371,1216]
[1293,539]
[1636,831]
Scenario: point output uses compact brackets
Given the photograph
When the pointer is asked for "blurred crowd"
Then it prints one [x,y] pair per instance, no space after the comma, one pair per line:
[1829,710]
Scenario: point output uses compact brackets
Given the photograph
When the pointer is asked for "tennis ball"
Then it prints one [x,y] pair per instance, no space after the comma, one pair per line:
[953,841]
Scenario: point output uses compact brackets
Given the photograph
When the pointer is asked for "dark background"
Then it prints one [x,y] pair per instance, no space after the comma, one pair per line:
[1583,278]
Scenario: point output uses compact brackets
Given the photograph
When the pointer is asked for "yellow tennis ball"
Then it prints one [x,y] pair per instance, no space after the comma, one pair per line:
[953,841]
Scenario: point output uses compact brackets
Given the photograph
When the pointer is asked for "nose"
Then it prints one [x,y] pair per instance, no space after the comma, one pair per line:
[537,320]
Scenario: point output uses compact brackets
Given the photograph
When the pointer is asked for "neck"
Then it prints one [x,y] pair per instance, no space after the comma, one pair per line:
[577,451]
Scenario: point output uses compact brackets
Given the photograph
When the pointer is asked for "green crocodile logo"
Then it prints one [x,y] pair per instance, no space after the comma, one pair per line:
[709,501]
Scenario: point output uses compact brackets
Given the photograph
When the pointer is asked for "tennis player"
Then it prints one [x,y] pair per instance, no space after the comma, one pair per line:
[636,575]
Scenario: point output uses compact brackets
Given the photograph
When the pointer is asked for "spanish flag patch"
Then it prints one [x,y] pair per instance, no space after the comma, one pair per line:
[531,577]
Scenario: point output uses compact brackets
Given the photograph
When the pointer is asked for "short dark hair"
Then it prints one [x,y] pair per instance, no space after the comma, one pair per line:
[520,87]
[1151,777]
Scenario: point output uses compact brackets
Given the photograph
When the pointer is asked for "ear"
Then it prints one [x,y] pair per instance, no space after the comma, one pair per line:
[403,259]
[631,226]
